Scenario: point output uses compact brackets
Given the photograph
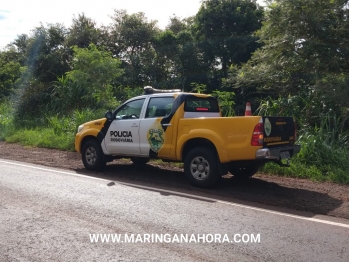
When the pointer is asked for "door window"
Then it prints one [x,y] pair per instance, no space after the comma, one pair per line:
[159,107]
[131,110]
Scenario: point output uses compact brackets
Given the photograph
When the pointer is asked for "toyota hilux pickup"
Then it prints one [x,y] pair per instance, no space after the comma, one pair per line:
[186,127]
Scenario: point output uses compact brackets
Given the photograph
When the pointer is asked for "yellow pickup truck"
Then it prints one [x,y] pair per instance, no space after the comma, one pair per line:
[186,127]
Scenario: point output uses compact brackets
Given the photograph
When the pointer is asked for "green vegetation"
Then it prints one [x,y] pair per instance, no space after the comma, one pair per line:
[6,119]
[324,154]
[52,131]
[290,58]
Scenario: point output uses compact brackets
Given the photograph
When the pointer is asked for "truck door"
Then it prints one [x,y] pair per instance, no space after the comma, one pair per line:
[155,138]
[122,137]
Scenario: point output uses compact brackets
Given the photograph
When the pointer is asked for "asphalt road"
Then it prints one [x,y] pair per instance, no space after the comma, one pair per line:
[49,215]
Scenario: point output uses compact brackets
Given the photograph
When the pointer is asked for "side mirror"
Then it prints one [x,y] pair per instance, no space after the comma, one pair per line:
[108,115]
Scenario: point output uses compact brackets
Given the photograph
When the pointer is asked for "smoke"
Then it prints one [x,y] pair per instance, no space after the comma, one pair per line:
[27,75]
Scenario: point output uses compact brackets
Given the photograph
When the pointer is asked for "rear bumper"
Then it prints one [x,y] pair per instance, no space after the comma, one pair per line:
[274,153]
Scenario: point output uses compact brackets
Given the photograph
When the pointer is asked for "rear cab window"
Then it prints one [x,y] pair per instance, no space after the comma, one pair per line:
[201,107]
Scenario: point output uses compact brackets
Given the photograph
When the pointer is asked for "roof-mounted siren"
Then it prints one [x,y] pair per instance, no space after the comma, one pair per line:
[148,90]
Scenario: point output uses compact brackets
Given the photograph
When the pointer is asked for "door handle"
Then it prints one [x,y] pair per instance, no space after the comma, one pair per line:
[166,124]
[134,125]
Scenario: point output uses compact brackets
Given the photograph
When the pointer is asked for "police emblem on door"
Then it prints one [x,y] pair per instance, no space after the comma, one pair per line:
[156,136]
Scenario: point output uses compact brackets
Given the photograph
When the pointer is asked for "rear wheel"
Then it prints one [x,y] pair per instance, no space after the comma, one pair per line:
[244,171]
[92,156]
[201,167]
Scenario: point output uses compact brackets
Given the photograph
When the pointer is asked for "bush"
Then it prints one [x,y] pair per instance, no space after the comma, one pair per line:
[29,101]
[69,124]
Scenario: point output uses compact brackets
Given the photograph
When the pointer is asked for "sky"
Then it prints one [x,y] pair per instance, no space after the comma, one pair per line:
[21,16]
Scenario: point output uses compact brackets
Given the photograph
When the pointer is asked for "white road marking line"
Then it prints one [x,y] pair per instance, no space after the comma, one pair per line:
[184,194]
[287,215]
[53,170]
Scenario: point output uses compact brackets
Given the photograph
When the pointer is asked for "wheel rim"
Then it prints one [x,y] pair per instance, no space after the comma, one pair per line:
[91,155]
[199,168]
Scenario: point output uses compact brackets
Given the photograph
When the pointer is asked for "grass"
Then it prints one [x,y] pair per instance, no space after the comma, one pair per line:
[50,131]
[300,170]
[43,137]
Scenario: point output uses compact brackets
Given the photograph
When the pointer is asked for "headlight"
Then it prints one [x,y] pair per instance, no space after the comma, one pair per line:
[80,128]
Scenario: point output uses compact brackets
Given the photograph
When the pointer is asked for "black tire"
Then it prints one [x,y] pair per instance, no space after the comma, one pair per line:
[201,167]
[244,172]
[139,161]
[92,156]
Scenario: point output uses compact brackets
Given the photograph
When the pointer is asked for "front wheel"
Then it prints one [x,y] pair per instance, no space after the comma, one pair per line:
[201,167]
[92,156]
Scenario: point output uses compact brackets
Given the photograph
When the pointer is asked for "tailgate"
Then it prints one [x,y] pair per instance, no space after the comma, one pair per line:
[278,131]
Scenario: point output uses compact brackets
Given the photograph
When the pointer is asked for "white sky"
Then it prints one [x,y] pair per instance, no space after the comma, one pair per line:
[21,16]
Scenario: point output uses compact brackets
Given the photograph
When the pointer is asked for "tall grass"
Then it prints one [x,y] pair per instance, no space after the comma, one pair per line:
[50,131]
[323,157]
[69,124]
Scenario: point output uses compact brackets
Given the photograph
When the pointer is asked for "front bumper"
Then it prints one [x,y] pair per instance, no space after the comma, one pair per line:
[275,153]
[77,143]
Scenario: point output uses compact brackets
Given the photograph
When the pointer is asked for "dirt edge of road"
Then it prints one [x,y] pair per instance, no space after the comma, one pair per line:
[298,194]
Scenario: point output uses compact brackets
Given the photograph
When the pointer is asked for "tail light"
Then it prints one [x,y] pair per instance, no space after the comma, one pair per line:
[257,136]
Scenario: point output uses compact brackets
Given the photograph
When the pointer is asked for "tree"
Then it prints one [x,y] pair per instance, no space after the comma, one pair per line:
[178,25]
[305,53]
[83,32]
[187,66]
[20,44]
[165,60]
[95,71]
[10,71]
[131,39]
[46,56]
[224,30]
